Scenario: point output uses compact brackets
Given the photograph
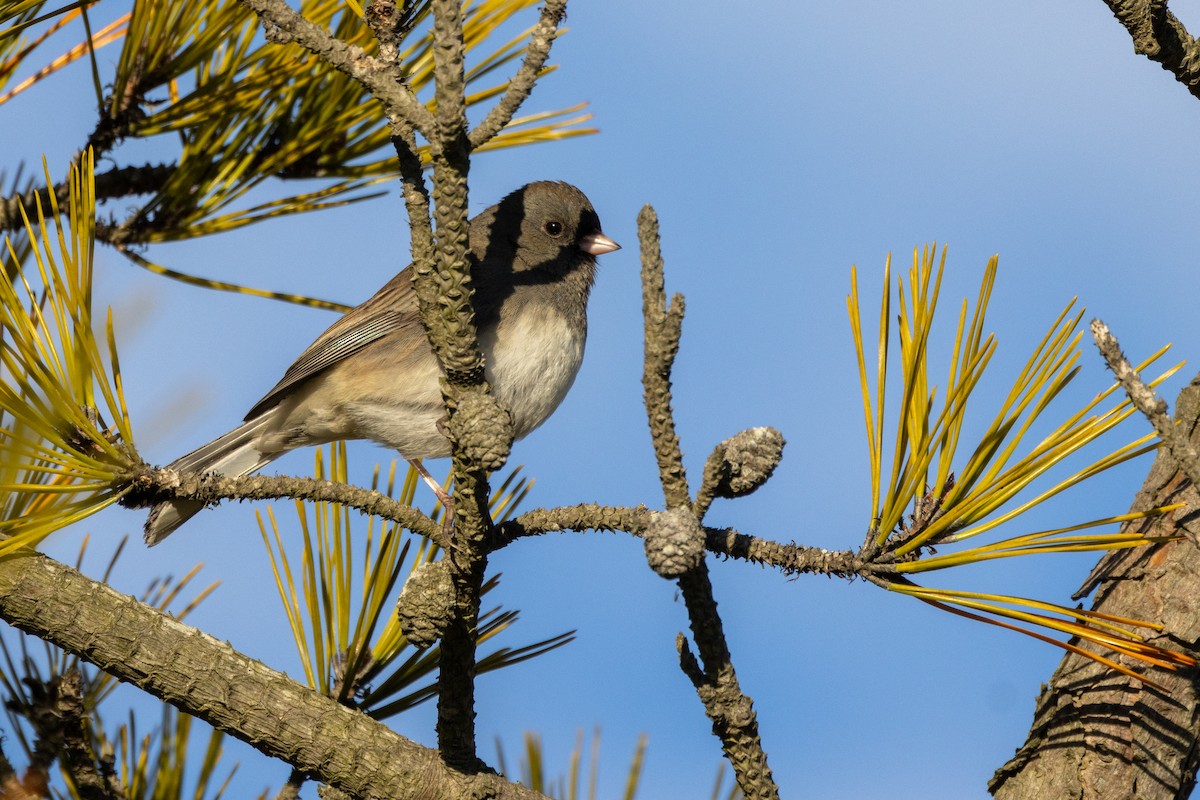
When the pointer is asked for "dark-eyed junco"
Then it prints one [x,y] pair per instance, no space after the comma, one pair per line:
[373,375]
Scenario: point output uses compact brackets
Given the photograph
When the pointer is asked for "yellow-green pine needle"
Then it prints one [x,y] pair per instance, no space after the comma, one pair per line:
[313,600]
[532,769]
[1068,646]
[54,371]
[635,768]
[990,455]
[993,474]
[1098,543]
[286,585]
[885,325]
[965,370]
[1007,415]
[912,456]
[852,306]
[1006,489]
[1116,638]
[225,286]
[994,490]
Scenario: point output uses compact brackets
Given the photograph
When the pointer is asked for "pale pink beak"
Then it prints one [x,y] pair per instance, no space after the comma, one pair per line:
[597,244]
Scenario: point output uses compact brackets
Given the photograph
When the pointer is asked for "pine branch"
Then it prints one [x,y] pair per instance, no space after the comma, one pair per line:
[114,184]
[664,325]
[521,84]
[232,692]
[151,485]
[1143,398]
[446,294]
[672,534]
[283,25]
[1160,36]
[789,559]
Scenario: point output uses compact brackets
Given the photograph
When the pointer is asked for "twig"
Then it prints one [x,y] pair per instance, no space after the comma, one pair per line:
[391,29]
[444,289]
[391,22]
[91,781]
[283,25]
[730,710]
[291,789]
[663,330]
[789,559]
[521,84]
[150,485]
[1160,36]
[727,707]
[1143,398]
[116,183]
[569,518]
[445,294]
[416,195]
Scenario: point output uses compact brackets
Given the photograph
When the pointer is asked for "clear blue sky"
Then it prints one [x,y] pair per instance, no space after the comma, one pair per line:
[779,148]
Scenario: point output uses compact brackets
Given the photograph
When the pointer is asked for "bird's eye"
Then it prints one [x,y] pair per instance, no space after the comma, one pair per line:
[554,227]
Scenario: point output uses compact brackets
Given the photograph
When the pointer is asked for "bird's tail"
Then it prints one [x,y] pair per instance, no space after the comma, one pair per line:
[232,454]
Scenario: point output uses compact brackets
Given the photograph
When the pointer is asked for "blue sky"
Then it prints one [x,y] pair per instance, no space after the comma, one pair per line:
[778,149]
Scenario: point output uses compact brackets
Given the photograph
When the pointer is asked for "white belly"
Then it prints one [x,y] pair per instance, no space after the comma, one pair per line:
[531,363]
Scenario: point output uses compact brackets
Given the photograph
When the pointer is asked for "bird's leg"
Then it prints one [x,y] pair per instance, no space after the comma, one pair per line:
[442,495]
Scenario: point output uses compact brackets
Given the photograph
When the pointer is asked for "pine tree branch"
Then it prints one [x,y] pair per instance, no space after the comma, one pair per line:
[789,559]
[664,325]
[232,692]
[1144,400]
[114,184]
[154,484]
[522,83]
[283,25]
[1160,36]
[730,710]
[446,295]
[91,781]
[416,195]
[444,288]
[390,25]
[151,485]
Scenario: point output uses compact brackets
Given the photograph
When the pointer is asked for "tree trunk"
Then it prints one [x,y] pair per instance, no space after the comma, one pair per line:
[1097,733]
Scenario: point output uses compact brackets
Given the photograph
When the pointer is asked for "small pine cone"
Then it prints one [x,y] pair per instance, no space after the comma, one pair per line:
[674,542]
[483,429]
[424,605]
[744,461]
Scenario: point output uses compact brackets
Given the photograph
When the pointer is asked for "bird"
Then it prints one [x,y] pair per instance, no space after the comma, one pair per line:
[373,374]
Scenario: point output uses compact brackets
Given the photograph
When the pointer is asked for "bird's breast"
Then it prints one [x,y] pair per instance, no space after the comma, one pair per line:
[532,359]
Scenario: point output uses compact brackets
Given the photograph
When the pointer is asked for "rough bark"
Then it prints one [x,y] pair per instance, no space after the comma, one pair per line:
[1161,37]
[234,693]
[1096,733]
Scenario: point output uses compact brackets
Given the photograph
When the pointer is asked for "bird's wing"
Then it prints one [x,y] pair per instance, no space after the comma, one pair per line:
[391,308]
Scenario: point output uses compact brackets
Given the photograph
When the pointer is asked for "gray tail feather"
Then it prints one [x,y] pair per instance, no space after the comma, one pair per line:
[231,454]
